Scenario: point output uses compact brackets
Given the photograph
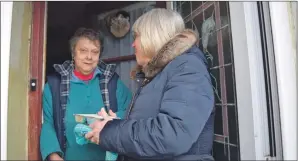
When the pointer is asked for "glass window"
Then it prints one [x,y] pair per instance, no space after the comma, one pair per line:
[211,20]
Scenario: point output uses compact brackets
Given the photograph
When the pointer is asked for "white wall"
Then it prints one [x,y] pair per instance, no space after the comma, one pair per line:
[285,57]
[6,15]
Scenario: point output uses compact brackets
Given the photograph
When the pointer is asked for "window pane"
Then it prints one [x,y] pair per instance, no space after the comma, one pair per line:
[216,43]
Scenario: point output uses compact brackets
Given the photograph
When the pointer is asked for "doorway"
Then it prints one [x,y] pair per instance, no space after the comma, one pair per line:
[53,25]
[63,18]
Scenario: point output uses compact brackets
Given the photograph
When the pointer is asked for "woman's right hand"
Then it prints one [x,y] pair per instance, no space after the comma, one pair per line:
[55,156]
[111,113]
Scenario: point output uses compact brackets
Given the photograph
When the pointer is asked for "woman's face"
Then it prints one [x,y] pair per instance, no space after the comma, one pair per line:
[86,55]
[141,58]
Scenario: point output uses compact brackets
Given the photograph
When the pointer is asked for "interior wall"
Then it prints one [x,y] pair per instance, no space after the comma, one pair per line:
[17,130]
[115,47]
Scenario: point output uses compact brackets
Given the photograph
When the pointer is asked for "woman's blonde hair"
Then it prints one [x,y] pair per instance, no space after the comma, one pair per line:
[156,28]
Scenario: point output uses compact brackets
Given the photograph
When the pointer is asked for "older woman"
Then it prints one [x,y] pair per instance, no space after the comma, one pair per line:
[171,116]
[81,86]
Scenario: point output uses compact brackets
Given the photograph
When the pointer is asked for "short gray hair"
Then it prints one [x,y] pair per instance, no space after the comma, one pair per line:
[156,28]
[86,33]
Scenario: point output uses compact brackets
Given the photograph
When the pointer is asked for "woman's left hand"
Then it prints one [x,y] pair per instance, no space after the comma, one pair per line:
[97,126]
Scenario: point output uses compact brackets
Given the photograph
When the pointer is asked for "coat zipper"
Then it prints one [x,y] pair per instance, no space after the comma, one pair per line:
[145,81]
[133,101]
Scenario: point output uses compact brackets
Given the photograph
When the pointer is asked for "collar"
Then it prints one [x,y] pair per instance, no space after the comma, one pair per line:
[74,78]
[82,76]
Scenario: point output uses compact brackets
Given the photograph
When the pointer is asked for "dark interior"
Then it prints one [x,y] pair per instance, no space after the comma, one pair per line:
[63,20]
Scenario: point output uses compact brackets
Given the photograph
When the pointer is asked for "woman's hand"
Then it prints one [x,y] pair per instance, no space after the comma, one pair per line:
[54,156]
[111,113]
[97,125]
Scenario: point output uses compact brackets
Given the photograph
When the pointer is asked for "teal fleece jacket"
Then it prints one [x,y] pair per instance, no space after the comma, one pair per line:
[84,98]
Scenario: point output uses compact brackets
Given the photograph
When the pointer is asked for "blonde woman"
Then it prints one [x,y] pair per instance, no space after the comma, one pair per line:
[171,115]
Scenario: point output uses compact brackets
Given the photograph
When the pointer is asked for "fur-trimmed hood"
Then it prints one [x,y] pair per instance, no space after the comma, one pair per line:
[173,48]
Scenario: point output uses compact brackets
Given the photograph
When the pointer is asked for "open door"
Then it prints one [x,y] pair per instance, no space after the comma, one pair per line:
[36,78]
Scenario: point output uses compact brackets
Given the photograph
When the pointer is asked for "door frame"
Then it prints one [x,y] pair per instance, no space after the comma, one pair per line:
[286,69]
[250,83]
[36,72]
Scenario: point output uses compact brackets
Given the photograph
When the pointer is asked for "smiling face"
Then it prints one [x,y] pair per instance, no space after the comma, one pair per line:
[86,55]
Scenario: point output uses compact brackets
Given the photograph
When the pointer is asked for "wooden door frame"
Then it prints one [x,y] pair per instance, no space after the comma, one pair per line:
[36,72]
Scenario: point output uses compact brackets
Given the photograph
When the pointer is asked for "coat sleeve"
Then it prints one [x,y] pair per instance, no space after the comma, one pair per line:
[186,106]
[48,140]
